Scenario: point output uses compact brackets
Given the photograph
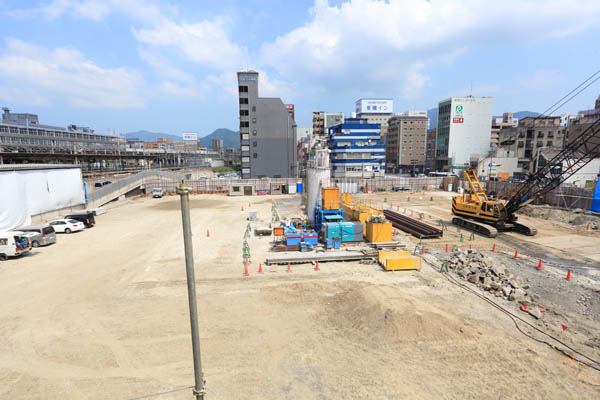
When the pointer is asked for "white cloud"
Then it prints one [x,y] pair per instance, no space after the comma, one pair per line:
[64,74]
[206,42]
[386,46]
[97,10]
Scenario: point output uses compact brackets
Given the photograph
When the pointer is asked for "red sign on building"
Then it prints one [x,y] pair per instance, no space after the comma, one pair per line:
[458,120]
[290,108]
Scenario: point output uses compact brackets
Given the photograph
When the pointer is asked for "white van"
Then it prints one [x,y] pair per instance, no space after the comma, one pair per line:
[13,244]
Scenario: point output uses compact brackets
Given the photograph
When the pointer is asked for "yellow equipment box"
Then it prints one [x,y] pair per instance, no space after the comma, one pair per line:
[399,260]
[331,198]
[377,232]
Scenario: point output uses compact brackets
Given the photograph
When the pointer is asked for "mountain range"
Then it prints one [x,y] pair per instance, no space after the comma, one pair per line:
[230,138]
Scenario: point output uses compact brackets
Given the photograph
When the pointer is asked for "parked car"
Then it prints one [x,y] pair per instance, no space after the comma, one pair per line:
[45,235]
[67,225]
[157,193]
[13,244]
[102,183]
[87,218]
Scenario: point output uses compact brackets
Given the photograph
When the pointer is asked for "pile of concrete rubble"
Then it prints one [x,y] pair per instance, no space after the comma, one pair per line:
[492,276]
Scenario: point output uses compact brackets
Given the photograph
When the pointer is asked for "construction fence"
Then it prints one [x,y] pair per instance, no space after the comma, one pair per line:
[290,185]
[563,197]
[358,185]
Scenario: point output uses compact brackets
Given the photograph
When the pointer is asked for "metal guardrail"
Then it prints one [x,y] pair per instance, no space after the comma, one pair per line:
[124,185]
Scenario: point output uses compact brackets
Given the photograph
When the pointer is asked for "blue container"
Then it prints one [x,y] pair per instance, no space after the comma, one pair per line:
[310,237]
[337,243]
[292,239]
[299,187]
[329,243]
[347,230]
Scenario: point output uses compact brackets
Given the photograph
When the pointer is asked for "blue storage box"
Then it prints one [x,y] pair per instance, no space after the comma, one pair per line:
[310,237]
[292,239]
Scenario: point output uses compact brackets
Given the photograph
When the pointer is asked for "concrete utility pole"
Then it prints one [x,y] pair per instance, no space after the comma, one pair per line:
[184,192]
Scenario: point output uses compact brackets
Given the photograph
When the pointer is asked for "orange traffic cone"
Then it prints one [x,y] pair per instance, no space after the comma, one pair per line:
[447,249]
[494,248]
[470,247]
[289,268]
[587,228]
[540,265]
[207,233]
[246,268]
[317,266]
[516,254]
[260,268]
[568,274]
[423,250]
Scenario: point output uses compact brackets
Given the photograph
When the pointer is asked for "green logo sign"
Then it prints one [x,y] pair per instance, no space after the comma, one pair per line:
[459,109]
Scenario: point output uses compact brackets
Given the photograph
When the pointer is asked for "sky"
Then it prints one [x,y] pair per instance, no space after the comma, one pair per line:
[170,66]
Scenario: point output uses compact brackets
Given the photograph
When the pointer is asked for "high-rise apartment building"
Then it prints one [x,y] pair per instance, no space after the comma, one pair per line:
[582,123]
[405,144]
[217,145]
[267,132]
[463,131]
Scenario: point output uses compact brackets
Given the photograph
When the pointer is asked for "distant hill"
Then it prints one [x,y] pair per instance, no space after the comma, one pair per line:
[432,113]
[230,138]
[146,136]
[523,114]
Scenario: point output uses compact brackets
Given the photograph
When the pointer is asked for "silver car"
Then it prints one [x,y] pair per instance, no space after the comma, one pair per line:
[45,235]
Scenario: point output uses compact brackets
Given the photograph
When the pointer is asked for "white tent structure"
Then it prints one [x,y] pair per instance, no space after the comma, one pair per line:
[32,189]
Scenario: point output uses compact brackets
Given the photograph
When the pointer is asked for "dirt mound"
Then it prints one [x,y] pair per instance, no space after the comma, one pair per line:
[573,217]
[382,315]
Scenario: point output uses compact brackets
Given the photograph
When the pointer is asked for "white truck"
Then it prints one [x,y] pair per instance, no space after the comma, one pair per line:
[14,244]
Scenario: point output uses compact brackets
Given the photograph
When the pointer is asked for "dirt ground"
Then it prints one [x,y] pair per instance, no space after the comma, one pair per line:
[103,314]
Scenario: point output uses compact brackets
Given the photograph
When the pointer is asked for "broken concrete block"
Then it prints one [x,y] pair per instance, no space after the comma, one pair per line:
[474,278]
[506,290]
[535,312]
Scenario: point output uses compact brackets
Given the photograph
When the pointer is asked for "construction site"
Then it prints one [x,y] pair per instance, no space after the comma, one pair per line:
[313,295]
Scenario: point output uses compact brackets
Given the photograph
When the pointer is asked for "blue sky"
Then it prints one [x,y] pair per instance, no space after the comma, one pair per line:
[170,66]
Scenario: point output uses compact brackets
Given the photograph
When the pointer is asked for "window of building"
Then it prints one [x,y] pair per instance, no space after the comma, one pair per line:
[549,143]
[244,124]
[243,100]
[243,89]
[254,144]
[253,108]
[244,113]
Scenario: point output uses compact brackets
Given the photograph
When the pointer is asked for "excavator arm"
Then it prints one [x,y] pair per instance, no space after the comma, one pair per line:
[567,162]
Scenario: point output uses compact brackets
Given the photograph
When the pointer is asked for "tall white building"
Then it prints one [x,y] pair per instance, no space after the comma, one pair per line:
[463,134]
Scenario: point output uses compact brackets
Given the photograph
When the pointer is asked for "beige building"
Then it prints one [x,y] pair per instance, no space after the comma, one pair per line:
[405,144]
[318,124]
[531,136]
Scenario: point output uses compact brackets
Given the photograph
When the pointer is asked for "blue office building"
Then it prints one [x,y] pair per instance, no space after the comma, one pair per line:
[356,149]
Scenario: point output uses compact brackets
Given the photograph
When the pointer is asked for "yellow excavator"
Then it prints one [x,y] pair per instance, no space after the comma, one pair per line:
[476,212]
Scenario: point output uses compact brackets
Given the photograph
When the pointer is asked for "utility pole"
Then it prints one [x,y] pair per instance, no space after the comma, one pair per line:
[184,192]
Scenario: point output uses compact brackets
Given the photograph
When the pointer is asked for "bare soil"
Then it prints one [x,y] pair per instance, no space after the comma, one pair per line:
[103,314]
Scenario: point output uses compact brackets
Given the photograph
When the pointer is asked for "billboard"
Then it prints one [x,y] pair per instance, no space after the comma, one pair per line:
[190,136]
[375,106]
